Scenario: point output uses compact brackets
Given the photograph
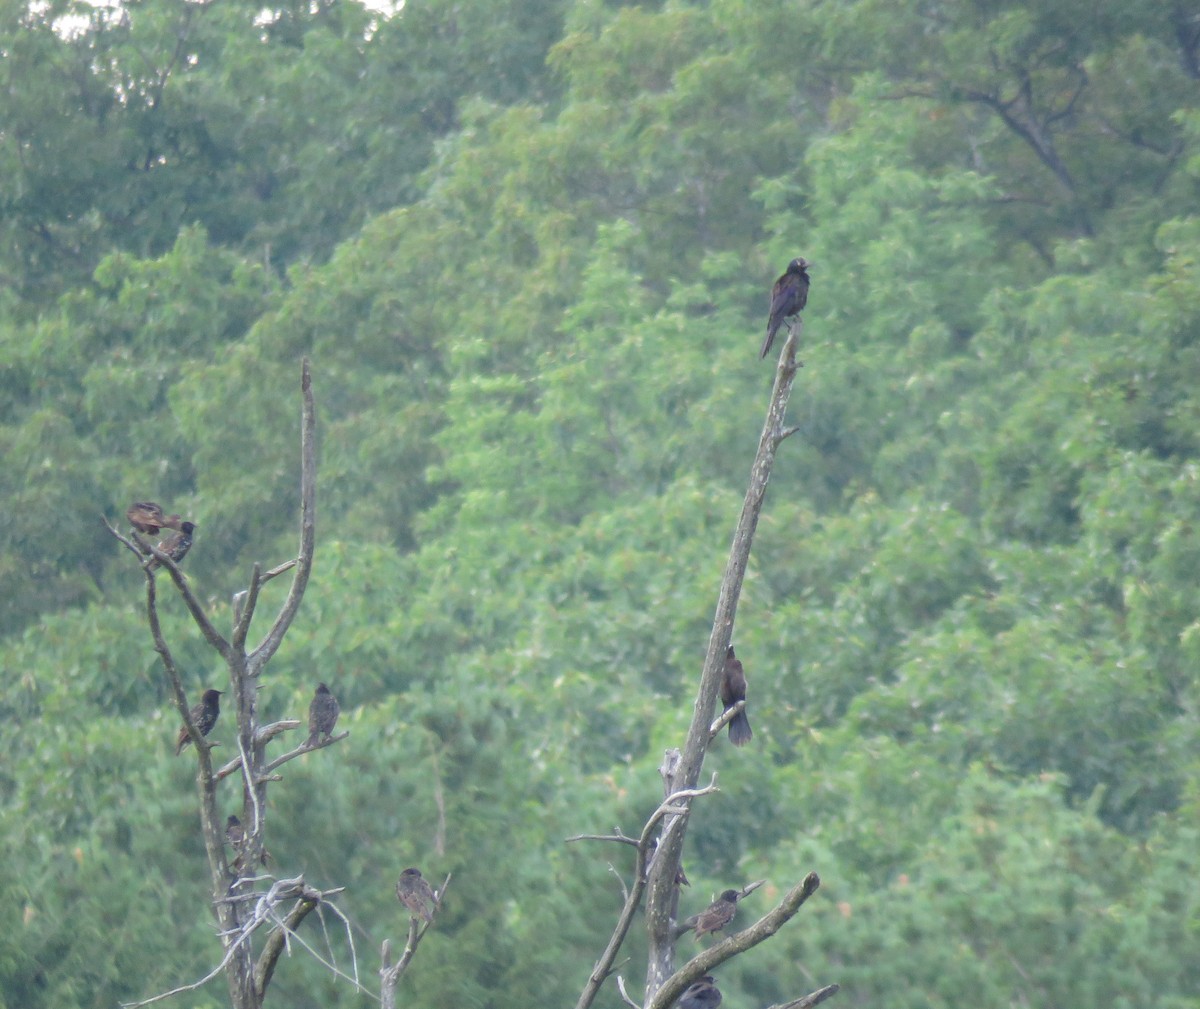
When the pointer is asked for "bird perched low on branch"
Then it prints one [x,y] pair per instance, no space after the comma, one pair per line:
[788,297]
[701,994]
[175,546]
[147,517]
[235,833]
[416,894]
[204,716]
[717,915]
[322,715]
[235,836]
[733,689]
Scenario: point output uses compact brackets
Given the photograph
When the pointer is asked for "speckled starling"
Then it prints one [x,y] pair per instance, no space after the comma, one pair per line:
[788,297]
[204,714]
[176,545]
[234,832]
[147,517]
[322,715]
[733,689]
[416,894]
[701,994]
[717,915]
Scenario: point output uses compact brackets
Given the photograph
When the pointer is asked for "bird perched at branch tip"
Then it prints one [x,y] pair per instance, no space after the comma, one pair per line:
[204,716]
[788,298]
[147,517]
[176,545]
[733,689]
[416,894]
[700,994]
[717,915]
[322,715]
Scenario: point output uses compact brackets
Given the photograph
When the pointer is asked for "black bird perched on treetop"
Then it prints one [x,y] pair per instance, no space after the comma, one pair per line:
[416,894]
[717,915]
[147,517]
[176,545]
[322,714]
[701,994]
[204,715]
[733,689]
[788,297]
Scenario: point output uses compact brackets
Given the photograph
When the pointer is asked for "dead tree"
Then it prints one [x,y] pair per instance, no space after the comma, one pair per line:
[257,915]
[658,848]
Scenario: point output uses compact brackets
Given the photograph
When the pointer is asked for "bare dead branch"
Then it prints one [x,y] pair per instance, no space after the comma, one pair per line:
[625,995]
[723,719]
[708,960]
[304,748]
[308,518]
[662,889]
[813,999]
[244,605]
[671,805]
[618,836]
[274,946]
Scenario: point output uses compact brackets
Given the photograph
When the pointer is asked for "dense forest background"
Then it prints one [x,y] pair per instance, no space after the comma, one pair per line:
[527,245]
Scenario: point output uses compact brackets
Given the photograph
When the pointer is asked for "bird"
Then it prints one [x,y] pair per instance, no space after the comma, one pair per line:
[175,546]
[788,297]
[204,716]
[717,915]
[322,714]
[235,835]
[733,689]
[701,994]
[416,894]
[147,517]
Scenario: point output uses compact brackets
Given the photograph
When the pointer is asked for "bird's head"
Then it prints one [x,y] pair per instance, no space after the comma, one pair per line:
[188,527]
[731,896]
[798,265]
[211,695]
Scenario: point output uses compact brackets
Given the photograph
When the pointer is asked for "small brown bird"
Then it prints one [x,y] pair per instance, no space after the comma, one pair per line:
[204,714]
[733,689]
[416,894]
[322,715]
[147,517]
[235,835]
[717,915]
[176,545]
[701,994]
[788,297]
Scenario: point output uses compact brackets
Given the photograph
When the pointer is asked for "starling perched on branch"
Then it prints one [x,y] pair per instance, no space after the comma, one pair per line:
[322,715]
[717,915]
[176,545]
[416,894]
[788,297]
[235,835]
[733,689]
[204,714]
[147,517]
[701,994]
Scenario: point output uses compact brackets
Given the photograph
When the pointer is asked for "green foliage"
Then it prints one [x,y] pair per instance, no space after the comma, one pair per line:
[527,247]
